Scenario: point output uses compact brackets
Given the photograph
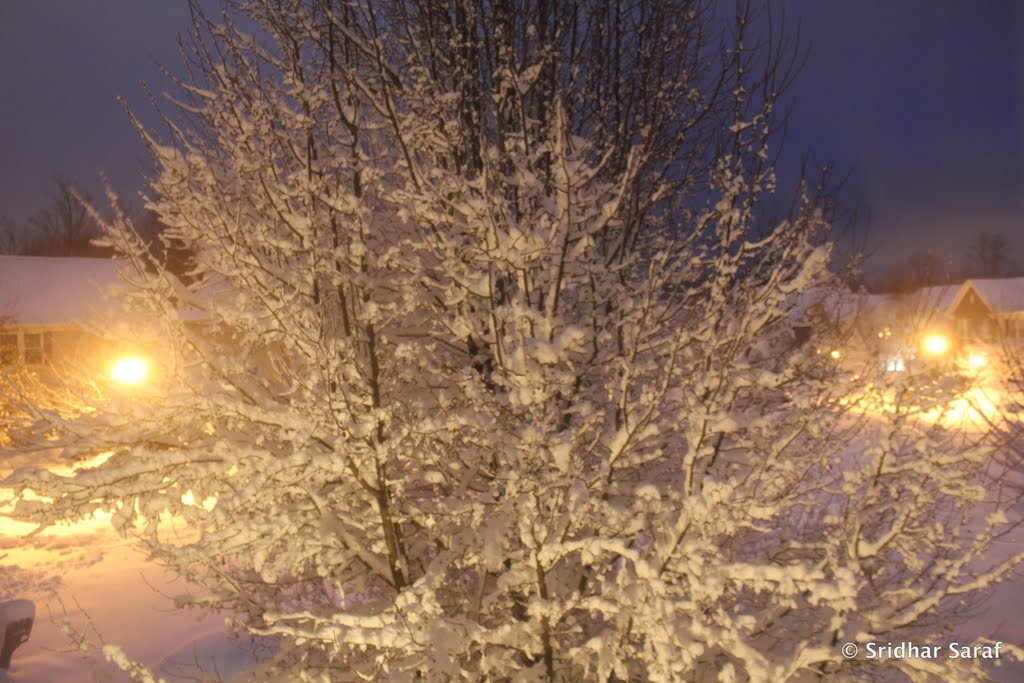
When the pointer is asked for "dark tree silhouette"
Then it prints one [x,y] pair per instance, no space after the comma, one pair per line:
[989,254]
[62,229]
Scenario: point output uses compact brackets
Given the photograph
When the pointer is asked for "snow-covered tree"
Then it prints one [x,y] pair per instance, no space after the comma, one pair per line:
[484,369]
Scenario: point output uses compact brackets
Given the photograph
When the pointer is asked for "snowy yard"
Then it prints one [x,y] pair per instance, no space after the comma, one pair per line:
[107,586]
[999,617]
[89,576]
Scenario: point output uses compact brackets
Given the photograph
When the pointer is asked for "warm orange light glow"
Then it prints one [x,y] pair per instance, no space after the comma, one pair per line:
[936,344]
[835,354]
[129,370]
[977,360]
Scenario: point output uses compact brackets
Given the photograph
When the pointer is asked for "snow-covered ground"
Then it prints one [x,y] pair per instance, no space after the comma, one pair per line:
[88,577]
[999,617]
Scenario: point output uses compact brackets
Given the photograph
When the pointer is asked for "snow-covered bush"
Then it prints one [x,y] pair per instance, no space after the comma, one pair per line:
[34,395]
[487,372]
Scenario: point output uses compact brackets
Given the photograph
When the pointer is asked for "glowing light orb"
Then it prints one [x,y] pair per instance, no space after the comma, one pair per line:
[977,360]
[936,344]
[835,354]
[129,370]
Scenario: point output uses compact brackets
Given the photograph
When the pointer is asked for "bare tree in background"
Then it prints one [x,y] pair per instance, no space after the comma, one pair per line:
[65,228]
[921,269]
[924,268]
[11,238]
[989,254]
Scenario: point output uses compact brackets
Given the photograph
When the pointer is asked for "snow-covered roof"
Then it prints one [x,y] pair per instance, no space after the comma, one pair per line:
[1001,295]
[938,299]
[873,304]
[36,290]
[841,306]
[832,304]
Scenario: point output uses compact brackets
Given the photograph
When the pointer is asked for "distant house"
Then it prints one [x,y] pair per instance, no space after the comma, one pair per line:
[44,304]
[883,329]
[989,309]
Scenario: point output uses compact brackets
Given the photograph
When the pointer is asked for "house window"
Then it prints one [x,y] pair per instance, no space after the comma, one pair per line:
[33,347]
[8,349]
[895,364]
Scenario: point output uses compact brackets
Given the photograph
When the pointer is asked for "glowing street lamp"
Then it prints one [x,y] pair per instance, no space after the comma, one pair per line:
[129,370]
[936,344]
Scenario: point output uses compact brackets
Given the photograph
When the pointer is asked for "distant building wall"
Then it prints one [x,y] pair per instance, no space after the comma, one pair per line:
[972,317]
[33,345]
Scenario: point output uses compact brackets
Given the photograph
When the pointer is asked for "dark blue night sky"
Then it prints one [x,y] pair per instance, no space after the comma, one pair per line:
[63,65]
[920,103]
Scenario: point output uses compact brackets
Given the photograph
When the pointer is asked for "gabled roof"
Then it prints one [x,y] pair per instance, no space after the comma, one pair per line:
[1001,295]
[938,299]
[36,290]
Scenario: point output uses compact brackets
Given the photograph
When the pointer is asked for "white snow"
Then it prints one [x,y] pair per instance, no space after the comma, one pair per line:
[1001,295]
[106,590]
